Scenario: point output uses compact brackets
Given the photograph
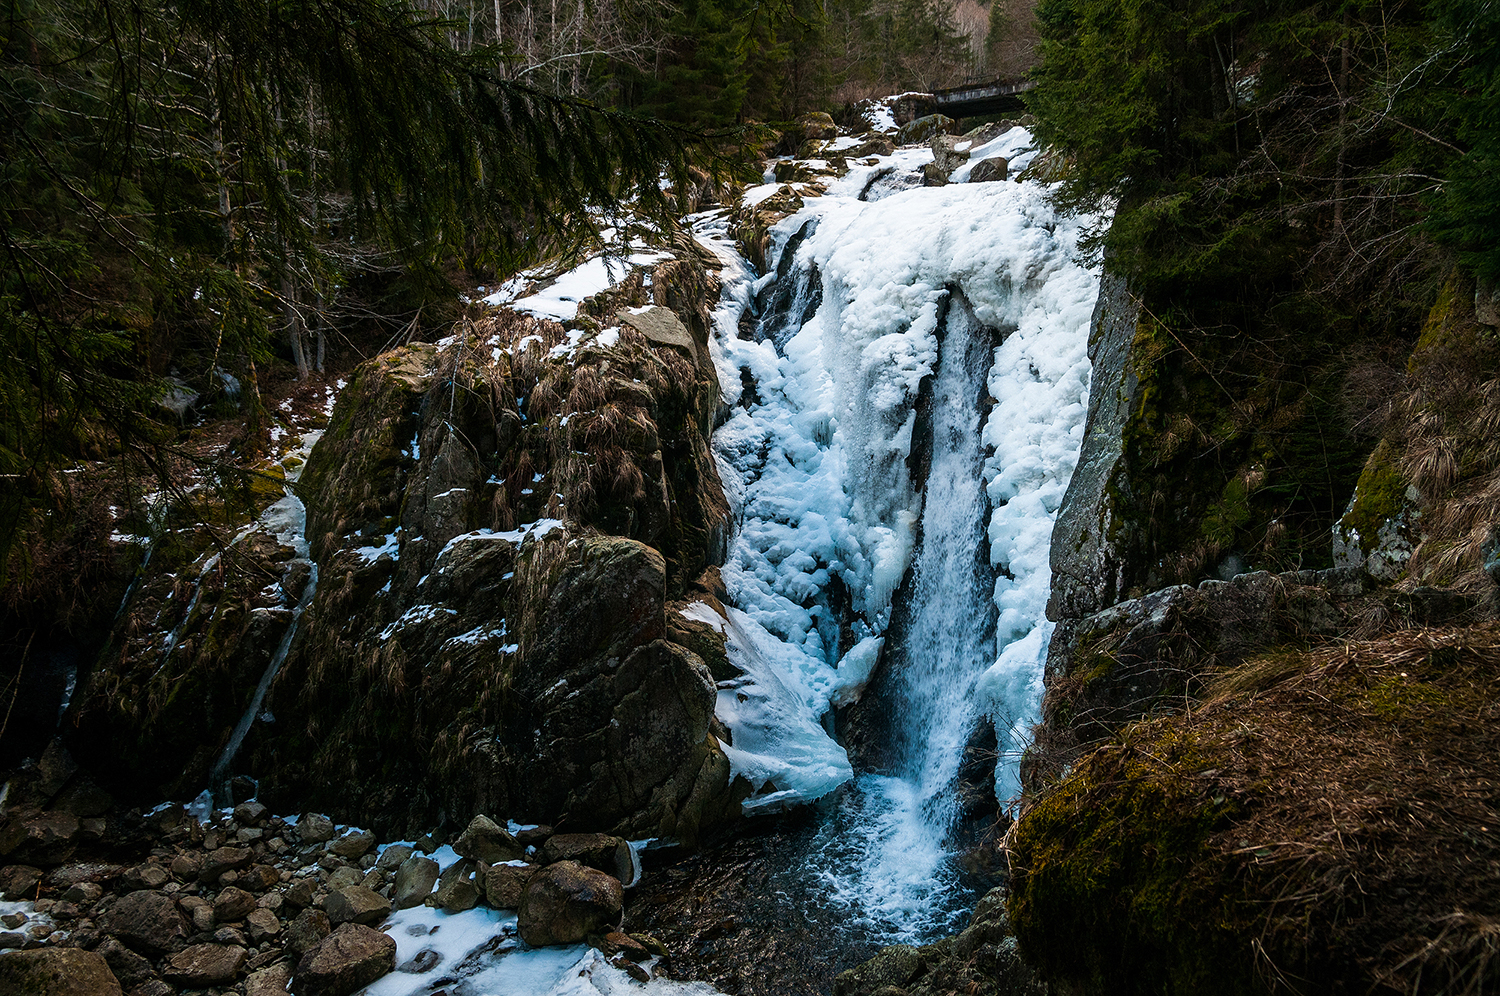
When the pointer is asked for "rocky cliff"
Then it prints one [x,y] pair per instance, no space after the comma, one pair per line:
[475,616]
[1273,780]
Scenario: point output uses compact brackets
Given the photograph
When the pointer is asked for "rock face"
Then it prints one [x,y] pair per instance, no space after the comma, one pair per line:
[57,972]
[486,578]
[565,902]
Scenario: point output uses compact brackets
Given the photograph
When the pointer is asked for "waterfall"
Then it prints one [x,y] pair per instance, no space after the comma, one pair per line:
[856,570]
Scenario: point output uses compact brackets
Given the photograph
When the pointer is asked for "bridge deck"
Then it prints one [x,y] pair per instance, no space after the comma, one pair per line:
[994,97]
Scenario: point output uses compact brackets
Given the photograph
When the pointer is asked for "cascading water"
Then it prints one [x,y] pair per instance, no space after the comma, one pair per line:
[846,555]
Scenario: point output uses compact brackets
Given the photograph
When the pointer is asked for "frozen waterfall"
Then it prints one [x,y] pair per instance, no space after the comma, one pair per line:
[966,302]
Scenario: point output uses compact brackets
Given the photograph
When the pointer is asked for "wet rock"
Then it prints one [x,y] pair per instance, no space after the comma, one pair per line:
[565,902]
[156,987]
[414,881]
[616,943]
[892,966]
[356,904]
[989,170]
[485,840]
[505,883]
[610,855]
[145,920]
[233,904]
[19,882]
[205,965]
[57,972]
[307,931]
[251,814]
[347,960]
[45,838]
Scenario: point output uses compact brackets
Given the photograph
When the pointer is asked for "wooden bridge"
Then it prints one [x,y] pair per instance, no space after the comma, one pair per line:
[971,99]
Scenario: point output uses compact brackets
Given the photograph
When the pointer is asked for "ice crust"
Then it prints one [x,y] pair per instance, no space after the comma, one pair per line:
[814,463]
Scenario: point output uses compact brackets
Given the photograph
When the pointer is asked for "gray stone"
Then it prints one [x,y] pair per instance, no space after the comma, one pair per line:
[946,155]
[356,904]
[147,876]
[663,327]
[83,893]
[565,902]
[414,881]
[610,855]
[990,170]
[57,972]
[342,878]
[347,960]
[1090,542]
[458,891]
[130,968]
[205,965]
[1487,302]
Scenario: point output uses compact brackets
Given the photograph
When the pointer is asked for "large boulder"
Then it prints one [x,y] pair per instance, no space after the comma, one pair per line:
[946,154]
[924,129]
[145,920]
[485,840]
[205,965]
[57,972]
[345,961]
[356,904]
[610,855]
[414,881]
[990,170]
[566,902]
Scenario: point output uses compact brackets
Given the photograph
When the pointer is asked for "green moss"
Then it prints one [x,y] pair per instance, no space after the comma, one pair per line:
[1109,891]
[1379,497]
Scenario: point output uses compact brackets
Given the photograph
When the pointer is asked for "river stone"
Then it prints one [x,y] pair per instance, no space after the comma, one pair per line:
[205,964]
[147,876]
[57,972]
[342,878]
[817,124]
[300,892]
[505,883]
[989,170]
[145,920]
[567,901]
[233,904]
[356,904]
[485,840]
[345,961]
[186,867]
[414,881]
[610,855]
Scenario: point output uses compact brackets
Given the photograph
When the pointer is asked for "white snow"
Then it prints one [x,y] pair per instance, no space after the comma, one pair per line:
[559,299]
